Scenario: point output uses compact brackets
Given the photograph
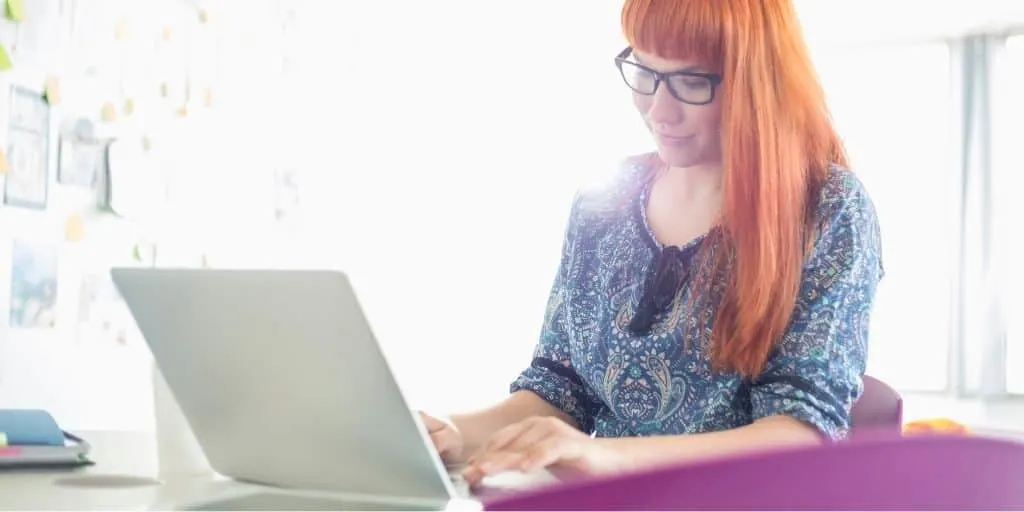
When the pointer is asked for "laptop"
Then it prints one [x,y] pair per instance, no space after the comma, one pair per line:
[284,385]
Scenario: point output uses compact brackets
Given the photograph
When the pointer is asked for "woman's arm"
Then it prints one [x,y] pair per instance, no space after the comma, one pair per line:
[477,427]
[771,433]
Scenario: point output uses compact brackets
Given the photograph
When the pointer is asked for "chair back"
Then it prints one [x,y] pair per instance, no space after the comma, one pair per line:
[940,472]
[880,407]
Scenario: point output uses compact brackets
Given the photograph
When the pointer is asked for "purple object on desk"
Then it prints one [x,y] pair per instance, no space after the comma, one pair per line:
[937,473]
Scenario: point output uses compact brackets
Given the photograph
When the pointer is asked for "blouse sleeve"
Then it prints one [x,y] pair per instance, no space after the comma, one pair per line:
[816,372]
[551,375]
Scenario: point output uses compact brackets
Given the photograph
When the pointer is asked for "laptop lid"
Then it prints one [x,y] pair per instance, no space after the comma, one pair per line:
[282,380]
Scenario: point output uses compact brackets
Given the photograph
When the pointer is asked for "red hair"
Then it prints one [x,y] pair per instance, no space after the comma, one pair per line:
[777,143]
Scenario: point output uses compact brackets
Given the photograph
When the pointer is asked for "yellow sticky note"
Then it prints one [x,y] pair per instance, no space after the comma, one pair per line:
[147,143]
[204,16]
[182,111]
[52,90]
[5,59]
[5,166]
[16,10]
[108,113]
[129,107]
[168,33]
[74,229]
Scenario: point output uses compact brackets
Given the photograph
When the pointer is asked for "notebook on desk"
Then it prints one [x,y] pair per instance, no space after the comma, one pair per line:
[31,438]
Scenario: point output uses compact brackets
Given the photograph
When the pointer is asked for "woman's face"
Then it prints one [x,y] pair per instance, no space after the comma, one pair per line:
[686,135]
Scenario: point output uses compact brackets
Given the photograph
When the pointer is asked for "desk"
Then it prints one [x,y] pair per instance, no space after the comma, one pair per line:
[117,454]
[131,457]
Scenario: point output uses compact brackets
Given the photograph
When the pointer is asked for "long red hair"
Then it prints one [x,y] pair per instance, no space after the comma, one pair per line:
[777,143]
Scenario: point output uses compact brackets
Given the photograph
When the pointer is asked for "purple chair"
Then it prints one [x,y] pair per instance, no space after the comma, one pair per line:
[896,473]
[880,408]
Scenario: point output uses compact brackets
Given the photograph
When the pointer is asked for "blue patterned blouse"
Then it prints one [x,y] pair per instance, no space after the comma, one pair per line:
[614,383]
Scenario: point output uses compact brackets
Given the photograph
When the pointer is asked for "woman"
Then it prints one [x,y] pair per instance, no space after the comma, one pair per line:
[715,299]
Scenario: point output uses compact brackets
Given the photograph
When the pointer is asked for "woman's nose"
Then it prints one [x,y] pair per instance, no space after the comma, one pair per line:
[664,108]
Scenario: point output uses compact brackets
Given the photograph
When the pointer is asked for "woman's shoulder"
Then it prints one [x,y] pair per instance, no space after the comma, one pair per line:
[843,194]
[613,192]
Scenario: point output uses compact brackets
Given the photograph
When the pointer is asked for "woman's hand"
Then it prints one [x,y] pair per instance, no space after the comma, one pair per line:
[446,438]
[542,442]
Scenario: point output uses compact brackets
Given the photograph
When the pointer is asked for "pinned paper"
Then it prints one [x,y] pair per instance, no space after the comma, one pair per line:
[5,166]
[74,229]
[122,30]
[208,97]
[5,59]
[108,113]
[129,107]
[165,89]
[168,33]
[52,90]
[182,111]
[16,10]
[204,16]
[147,143]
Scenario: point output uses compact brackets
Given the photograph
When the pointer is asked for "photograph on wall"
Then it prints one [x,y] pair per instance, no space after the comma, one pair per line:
[28,142]
[79,162]
[33,285]
[103,317]
[286,194]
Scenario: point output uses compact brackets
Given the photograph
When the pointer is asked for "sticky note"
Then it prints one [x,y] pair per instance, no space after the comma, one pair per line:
[5,166]
[129,107]
[108,113]
[204,16]
[16,10]
[74,229]
[168,33]
[52,90]
[5,59]
[165,89]
[183,111]
[147,143]
[122,30]
[208,97]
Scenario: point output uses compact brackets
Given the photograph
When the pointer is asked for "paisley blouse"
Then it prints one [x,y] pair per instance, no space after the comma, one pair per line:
[616,383]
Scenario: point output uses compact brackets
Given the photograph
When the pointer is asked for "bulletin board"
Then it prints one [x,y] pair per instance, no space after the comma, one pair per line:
[100,105]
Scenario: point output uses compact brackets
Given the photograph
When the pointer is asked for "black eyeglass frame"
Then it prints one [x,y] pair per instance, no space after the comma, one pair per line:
[659,77]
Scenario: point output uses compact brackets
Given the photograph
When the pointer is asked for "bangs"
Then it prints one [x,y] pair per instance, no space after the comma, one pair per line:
[675,29]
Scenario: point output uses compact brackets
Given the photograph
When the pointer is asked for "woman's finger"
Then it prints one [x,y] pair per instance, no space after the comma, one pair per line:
[546,453]
[507,435]
[490,464]
[431,423]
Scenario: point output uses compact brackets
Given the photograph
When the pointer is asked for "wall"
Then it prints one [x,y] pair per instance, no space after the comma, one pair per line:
[197,156]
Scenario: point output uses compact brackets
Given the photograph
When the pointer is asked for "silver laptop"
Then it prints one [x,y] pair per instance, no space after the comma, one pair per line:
[284,385]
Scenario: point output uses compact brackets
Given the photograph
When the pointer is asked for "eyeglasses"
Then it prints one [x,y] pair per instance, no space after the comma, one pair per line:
[661,289]
[686,86]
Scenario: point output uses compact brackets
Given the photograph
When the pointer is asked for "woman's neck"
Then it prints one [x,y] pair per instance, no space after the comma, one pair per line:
[693,184]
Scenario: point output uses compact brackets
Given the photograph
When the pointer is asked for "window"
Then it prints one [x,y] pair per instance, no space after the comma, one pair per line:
[892,106]
[1008,166]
